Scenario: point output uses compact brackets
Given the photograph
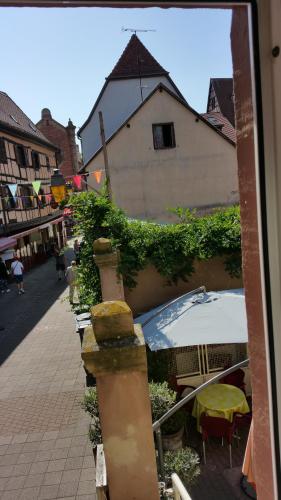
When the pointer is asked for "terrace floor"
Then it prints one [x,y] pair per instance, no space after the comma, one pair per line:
[217,481]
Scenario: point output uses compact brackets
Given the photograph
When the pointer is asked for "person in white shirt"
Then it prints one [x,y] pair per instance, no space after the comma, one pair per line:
[71,278]
[17,271]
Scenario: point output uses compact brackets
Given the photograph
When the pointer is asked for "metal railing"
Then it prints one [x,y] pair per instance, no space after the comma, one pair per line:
[179,490]
[157,425]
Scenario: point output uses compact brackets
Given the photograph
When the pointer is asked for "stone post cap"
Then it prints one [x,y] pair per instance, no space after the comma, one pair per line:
[102,245]
[112,320]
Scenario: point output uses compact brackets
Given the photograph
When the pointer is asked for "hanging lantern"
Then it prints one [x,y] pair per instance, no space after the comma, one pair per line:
[58,186]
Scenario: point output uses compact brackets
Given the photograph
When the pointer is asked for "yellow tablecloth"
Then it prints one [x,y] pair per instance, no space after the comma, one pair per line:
[220,400]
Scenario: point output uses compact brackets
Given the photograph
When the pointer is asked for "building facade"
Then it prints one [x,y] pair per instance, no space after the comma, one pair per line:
[29,226]
[166,155]
[132,79]
[64,138]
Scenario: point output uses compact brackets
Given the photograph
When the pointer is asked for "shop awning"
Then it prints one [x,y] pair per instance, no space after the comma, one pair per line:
[205,318]
[7,243]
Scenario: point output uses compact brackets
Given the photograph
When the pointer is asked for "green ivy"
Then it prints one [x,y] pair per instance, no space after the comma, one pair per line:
[171,248]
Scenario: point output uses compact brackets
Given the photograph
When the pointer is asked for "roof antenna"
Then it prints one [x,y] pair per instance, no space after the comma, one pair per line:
[139,61]
[133,30]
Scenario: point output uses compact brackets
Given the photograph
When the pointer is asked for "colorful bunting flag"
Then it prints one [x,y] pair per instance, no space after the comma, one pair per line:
[36,186]
[59,193]
[40,197]
[97,174]
[77,180]
[13,189]
[48,197]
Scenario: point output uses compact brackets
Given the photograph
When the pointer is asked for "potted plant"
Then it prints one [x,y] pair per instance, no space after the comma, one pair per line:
[162,399]
[90,405]
[185,463]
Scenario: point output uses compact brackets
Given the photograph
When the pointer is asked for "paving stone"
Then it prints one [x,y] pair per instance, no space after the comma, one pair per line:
[8,459]
[34,480]
[16,483]
[74,463]
[30,493]
[55,465]
[12,495]
[71,475]
[86,487]
[39,467]
[6,470]
[19,438]
[21,469]
[59,453]
[53,477]
[48,492]
[68,489]
[76,451]
[26,457]
[3,482]
[87,474]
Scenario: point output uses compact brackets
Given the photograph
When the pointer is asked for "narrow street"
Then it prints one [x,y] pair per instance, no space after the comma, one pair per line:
[44,446]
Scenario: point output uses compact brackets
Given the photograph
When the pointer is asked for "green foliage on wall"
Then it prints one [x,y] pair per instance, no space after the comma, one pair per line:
[171,248]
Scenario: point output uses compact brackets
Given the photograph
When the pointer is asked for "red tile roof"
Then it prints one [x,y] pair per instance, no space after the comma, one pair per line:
[136,60]
[13,118]
[219,121]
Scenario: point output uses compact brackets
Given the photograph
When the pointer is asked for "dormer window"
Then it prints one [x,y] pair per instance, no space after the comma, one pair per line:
[14,119]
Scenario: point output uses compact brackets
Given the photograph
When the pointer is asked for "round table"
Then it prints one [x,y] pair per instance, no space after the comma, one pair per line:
[220,400]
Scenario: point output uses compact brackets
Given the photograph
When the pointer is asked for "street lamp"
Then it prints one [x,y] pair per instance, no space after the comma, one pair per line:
[58,186]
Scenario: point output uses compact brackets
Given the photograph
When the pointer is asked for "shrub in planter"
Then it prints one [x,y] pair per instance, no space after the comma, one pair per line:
[90,405]
[174,423]
[162,399]
[184,462]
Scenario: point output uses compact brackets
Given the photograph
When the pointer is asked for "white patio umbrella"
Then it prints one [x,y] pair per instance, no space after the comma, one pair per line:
[197,319]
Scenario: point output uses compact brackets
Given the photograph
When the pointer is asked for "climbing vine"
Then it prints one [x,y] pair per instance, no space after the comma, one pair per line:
[171,248]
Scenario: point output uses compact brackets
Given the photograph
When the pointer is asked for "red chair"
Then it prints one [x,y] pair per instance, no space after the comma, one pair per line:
[240,421]
[236,378]
[216,427]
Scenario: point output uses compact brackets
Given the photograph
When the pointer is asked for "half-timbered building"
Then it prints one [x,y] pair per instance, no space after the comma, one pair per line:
[29,224]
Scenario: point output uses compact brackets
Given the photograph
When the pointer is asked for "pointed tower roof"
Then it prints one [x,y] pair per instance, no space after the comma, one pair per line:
[136,61]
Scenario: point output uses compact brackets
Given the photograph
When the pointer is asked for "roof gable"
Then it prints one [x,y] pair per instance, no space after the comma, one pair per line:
[14,119]
[136,61]
[223,88]
[162,88]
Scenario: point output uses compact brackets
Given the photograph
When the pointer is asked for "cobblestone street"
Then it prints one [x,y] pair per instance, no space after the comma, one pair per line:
[44,447]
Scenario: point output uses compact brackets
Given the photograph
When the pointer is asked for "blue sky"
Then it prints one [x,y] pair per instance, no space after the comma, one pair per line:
[59,58]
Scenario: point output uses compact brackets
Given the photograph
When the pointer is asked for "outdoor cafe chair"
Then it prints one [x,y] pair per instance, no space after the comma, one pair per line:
[235,378]
[216,427]
[240,421]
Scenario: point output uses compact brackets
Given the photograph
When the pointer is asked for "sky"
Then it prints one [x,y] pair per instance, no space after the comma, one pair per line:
[59,58]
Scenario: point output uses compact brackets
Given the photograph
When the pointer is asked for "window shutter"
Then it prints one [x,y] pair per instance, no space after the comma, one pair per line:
[3,155]
[18,155]
[25,153]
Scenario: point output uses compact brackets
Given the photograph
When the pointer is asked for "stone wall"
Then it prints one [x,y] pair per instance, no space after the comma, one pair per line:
[152,289]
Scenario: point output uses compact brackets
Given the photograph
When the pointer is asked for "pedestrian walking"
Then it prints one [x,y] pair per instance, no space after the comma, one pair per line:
[17,270]
[3,277]
[71,278]
[76,247]
[60,262]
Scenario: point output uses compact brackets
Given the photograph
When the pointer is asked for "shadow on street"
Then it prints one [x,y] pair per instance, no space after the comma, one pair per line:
[20,313]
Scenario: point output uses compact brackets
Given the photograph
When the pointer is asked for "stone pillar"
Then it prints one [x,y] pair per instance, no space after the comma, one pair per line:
[107,261]
[114,352]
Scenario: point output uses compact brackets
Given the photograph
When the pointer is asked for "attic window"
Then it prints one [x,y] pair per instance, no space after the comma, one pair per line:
[13,118]
[163,136]
[215,122]
[32,126]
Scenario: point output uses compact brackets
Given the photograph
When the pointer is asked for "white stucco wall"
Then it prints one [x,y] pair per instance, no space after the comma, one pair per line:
[119,100]
[201,171]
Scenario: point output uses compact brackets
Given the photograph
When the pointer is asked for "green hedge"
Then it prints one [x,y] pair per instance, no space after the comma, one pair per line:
[171,248]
